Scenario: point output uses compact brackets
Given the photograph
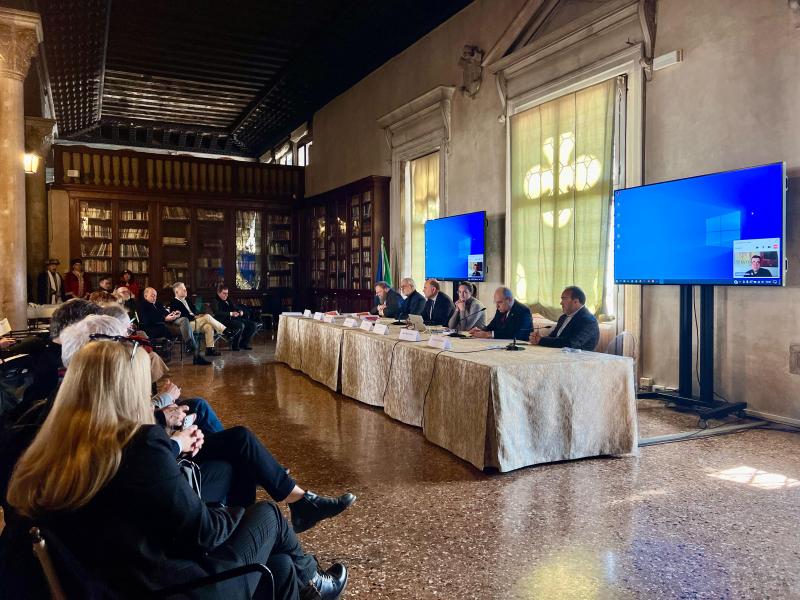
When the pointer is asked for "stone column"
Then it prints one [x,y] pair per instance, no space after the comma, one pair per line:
[20,34]
[38,139]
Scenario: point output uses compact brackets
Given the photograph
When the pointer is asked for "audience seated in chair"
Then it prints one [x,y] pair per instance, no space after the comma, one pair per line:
[206,324]
[159,322]
[121,503]
[234,317]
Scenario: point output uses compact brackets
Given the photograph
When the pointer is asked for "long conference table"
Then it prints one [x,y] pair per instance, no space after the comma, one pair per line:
[490,407]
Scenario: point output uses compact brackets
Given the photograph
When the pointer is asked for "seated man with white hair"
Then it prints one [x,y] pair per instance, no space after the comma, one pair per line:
[204,323]
[157,321]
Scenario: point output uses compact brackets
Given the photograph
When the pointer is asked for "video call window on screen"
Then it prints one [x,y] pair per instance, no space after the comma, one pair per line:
[717,229]
[454,247]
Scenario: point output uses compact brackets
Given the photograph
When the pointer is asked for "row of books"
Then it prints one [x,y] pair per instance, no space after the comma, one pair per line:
[134,215]
[279,234]
[176,212]
[88,212]
[279,281]
[174,241]
[279,265]
[136,266]
[207,214]
[279,248]
[99,231]
[279,220]
[357,271]
[94,265]
[209,263]
[133,233]
[100,249]
[365,242]
[134,250]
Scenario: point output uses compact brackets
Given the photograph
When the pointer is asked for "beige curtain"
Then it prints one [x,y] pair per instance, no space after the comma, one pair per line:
[561,194]
[424,177]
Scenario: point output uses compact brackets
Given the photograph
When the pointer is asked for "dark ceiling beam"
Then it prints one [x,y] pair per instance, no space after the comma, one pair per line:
[101,84]
[194,74]
[138,93]
[184,119]
[183,84]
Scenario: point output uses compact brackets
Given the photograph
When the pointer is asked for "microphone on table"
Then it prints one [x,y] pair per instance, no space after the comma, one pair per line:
[455,334]
[513,345]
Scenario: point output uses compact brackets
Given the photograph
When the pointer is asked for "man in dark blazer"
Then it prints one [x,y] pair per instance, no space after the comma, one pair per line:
[50,284]
[414,302]
[576,328]
[157,321]
[438,306]
[511,321]
[386,302]
[233,316]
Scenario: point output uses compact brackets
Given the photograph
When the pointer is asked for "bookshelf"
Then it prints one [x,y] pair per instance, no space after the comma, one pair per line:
[96,239]
[341,233]
[133,231]
[210,261]
[176,234]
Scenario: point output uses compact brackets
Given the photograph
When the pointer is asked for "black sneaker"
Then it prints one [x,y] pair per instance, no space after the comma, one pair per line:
[311,509]
[199,360]
[212,352]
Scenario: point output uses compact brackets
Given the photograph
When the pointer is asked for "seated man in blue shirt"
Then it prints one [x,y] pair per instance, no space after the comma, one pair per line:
[576,328]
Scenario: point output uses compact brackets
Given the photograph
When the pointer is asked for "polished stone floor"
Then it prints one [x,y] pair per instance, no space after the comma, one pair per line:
[707,518]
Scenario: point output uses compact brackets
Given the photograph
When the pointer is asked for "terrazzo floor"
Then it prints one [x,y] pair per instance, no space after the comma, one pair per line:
[708,518]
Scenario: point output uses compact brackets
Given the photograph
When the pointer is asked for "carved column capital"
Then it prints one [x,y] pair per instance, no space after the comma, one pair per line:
[39,134]
[20,34]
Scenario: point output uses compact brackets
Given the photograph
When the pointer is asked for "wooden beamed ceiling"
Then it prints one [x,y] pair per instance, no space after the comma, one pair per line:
[215,76]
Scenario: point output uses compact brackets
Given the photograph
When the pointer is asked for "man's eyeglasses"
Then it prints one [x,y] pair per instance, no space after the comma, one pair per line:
[121,338]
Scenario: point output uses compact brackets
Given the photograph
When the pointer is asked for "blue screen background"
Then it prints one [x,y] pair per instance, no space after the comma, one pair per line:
[683,231]
[448,243]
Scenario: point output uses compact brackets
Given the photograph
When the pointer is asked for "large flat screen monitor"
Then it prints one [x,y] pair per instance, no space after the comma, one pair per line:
[454,247]
[720,229]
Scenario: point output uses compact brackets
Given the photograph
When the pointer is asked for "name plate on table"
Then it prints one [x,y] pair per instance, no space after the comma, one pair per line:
[380,328]
[349,322]
[318,316]
[328,318]
[441,342]
[306,313]
[408,335]
[366,326]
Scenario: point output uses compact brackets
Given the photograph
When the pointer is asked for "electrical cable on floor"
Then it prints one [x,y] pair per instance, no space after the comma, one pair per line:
[691,434]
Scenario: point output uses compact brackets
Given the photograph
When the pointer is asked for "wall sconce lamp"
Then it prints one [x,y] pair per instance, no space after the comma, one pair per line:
[31,162]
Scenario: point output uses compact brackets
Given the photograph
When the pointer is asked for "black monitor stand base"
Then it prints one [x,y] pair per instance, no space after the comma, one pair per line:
[706,406]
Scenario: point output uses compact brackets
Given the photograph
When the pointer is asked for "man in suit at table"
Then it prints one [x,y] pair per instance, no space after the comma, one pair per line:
[511,321]
[387,301]
[413,303]
[438,306]
[576,328]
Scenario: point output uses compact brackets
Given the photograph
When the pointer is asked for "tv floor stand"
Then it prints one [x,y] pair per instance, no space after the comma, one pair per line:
[706,405]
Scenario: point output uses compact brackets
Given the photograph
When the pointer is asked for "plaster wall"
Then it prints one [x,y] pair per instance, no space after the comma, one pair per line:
[349,145]
[732,103]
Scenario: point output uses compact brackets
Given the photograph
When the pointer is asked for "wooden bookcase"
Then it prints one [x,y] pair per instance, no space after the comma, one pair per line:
[174,224]
[340,237]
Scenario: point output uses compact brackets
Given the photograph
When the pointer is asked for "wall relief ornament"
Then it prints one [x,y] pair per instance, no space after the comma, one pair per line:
[470,63]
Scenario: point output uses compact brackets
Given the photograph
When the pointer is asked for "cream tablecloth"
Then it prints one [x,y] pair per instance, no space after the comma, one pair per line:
[490,407]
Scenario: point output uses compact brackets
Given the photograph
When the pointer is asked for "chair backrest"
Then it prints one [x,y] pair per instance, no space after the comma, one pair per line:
[66,576]
[624,344]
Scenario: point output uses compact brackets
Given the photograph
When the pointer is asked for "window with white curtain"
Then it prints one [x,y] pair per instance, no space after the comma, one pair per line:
[420,191]
[562,164]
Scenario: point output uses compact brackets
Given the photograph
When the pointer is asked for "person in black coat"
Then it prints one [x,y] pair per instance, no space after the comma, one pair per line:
[413,303]
[233,316]
[439,306]
[124,509]
[50,284]
[576,328]
[157,321]
[386,302]
[511,321]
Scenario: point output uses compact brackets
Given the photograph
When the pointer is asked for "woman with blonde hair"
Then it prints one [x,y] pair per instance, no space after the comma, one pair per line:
[102,476]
